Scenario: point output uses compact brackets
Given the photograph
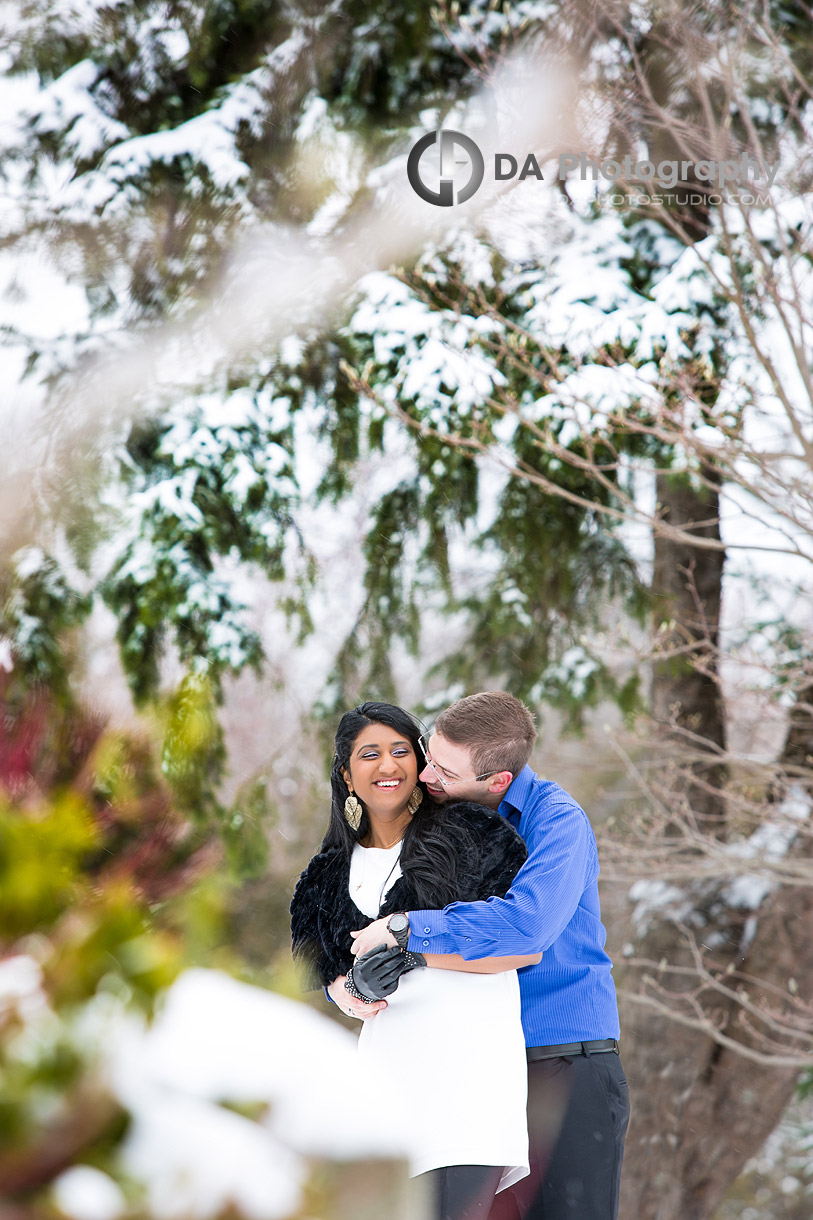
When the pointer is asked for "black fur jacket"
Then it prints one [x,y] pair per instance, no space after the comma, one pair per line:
[488,853]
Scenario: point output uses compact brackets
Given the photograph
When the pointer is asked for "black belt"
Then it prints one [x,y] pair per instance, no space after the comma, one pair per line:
[595,1047]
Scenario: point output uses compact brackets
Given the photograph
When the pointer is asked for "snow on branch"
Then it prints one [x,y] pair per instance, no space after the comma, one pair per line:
[231,1092]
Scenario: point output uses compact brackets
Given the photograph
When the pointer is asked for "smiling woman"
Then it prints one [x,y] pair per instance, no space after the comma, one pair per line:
[382,773]
[429,1032]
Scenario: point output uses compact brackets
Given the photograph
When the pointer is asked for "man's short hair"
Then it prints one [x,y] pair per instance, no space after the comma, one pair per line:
[497,728]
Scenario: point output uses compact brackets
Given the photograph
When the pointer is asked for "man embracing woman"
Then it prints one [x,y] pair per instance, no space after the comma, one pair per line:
[453,909]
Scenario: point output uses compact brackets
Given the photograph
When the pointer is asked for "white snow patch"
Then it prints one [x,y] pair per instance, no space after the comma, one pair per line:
[217,1039]
[770,842]
[658,898]
[67,106]
[85,1193]
[198,1159]
[21,988]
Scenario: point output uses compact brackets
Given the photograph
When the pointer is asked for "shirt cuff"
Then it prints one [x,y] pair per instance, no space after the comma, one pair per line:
[427,933]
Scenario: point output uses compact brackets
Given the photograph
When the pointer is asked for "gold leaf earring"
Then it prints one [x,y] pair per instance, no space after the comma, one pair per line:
[353,810]
[414,801]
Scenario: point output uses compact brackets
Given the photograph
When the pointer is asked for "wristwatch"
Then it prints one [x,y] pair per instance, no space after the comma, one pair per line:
[399,926]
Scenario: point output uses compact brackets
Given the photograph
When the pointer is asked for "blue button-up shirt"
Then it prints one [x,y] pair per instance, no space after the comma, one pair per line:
[551,906]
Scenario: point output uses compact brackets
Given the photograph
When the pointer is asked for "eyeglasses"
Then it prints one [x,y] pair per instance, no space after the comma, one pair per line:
[448,783]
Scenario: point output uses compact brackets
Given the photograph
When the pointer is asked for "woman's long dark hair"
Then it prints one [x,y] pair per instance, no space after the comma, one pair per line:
[426,857]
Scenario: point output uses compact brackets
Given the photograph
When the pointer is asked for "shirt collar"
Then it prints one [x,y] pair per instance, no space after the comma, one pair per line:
[517,792]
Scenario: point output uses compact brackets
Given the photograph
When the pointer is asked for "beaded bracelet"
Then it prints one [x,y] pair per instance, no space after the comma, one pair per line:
[350,986]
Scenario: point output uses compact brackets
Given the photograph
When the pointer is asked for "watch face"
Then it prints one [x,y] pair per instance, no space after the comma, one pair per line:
[398,923]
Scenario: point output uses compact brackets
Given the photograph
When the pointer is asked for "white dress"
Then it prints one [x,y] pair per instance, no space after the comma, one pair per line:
[449,1050]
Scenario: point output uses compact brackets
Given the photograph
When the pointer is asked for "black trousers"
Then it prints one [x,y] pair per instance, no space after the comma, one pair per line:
[462,1192]
[578,1110]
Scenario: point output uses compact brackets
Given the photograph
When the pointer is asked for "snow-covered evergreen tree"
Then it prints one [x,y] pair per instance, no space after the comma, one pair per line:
[545,386]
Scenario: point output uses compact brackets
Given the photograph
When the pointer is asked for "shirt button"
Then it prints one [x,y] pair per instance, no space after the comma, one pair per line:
[427,930]
[426,944]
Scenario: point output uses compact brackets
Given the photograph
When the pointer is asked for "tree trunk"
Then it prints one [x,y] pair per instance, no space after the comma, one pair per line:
[700,1109]
[686,701]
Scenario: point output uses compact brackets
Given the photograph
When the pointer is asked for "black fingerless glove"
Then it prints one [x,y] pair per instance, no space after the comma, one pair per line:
[375,974]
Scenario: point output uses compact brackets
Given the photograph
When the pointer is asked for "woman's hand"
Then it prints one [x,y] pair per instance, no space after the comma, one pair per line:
[376,974]
[349,1006]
